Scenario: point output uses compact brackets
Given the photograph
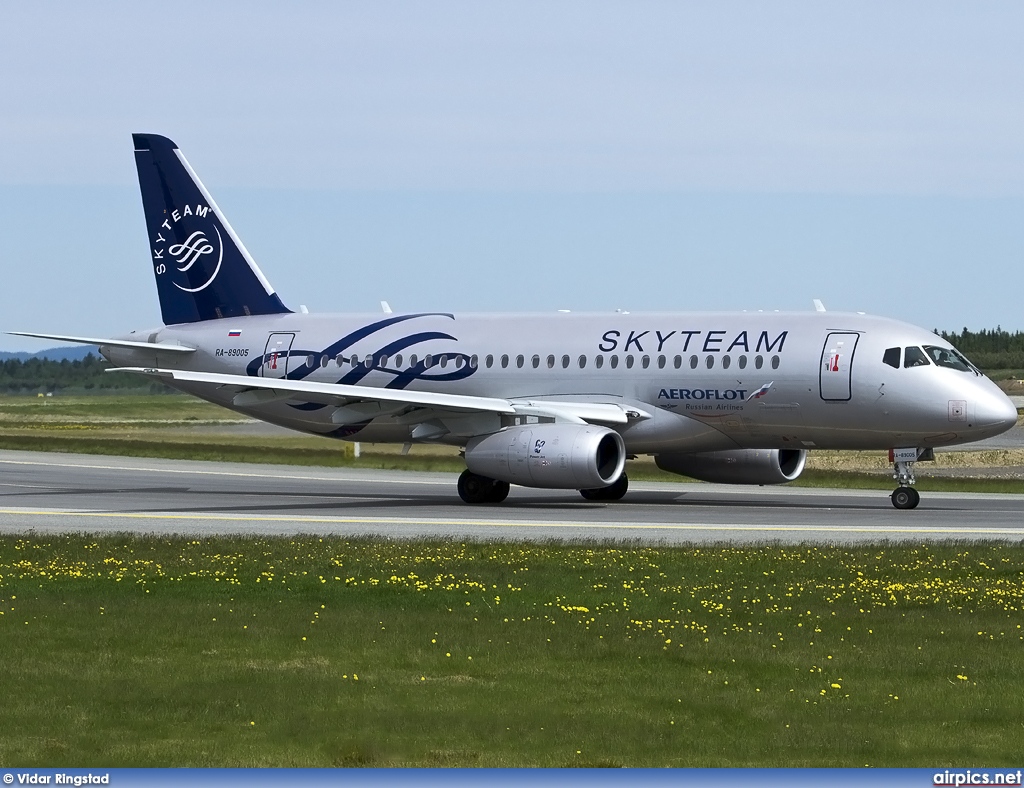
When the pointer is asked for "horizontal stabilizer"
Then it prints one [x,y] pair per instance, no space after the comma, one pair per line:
[108,342]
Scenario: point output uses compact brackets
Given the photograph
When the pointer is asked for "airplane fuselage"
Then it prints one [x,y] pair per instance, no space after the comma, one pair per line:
[709,381]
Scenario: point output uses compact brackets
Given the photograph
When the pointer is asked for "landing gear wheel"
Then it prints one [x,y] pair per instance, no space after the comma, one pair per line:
[474,488]
[613,492]
[905,498]
[499,492]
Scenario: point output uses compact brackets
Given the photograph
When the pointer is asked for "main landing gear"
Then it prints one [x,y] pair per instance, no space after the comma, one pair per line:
[613,492]
[474,488]
[905,496]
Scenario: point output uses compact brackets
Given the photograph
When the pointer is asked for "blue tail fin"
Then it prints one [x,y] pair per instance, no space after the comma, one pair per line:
[203,272]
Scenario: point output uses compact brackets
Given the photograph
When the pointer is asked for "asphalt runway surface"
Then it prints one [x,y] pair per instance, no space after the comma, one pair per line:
[45,493]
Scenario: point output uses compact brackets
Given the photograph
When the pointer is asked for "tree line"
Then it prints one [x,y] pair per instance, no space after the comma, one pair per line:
[993,348]
[38,376]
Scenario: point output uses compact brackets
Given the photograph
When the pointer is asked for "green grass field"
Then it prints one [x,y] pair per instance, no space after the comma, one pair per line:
[330,652]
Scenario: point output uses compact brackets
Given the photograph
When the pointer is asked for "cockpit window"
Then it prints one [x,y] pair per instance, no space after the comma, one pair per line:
[892,357]
[915,357]
[947,357]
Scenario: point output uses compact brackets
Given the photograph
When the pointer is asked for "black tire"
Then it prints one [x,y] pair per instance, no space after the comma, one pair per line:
[905,498]
[474,488]
[613,492]
[499,492]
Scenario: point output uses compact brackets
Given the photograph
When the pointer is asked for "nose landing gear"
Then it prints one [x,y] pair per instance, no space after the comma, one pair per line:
[905,496]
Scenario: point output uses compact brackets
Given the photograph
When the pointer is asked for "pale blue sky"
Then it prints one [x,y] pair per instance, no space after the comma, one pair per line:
[526,156]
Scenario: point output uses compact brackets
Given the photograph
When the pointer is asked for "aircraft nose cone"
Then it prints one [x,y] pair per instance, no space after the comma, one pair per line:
[996,411]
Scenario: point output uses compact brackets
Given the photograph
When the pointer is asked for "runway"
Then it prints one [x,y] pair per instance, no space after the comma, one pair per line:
[58,493]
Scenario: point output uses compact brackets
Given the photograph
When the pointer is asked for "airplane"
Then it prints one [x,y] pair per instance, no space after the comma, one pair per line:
[558,401]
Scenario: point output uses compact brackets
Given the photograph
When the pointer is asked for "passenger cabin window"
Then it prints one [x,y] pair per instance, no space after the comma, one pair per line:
[775,362]
[598,361]
[489,361]
[914,357]
[629,362]
[944,357]
[645,362]
[694,361]
[551,362]
[583,361]
[758,362]
[398,361]
[520,360]
[613,361]
[677,362]
[536,361]
[891,356]
[565,362]
[504,362]
[726,361]
[742,362]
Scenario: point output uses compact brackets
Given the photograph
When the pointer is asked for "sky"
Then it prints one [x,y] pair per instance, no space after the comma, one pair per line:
[525,156]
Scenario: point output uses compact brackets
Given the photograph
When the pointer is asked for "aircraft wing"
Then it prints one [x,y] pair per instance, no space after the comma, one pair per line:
[359,403]
[109,342]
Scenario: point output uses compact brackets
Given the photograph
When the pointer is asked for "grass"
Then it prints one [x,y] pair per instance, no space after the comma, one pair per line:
[121,651]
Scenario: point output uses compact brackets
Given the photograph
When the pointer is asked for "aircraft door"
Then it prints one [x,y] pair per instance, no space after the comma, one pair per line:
[275,356]
[834,373]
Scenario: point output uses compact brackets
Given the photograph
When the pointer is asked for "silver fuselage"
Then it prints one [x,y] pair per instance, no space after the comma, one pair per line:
[710,381]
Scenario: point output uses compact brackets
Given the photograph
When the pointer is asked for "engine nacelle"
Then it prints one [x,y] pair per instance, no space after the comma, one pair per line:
[743,466]
[562,456]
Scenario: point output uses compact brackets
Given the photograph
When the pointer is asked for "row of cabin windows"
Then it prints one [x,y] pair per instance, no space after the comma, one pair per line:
[551,361]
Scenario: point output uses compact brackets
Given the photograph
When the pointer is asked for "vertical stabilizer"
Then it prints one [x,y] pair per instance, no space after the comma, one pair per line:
[203,272]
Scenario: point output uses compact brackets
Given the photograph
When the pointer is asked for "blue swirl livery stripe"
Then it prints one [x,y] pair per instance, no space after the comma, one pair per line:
[401,378]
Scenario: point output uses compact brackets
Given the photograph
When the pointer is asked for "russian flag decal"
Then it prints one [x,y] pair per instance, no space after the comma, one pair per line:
[234,333]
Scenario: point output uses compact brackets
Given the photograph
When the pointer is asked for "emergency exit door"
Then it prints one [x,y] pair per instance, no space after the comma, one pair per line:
[834,373]
[275,356]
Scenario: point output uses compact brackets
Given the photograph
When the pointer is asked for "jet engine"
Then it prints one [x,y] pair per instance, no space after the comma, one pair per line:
[562,456]
[745,466]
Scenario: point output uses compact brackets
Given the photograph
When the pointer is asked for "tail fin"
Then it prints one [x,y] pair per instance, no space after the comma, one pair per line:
[203,271]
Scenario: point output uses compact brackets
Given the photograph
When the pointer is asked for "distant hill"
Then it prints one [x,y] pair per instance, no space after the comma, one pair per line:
[70,353]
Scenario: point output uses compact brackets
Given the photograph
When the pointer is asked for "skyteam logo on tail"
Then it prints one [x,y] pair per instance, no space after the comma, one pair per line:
[198,247]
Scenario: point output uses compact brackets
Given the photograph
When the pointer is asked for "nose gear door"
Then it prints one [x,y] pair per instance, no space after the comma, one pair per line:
[835,371]
[275,356]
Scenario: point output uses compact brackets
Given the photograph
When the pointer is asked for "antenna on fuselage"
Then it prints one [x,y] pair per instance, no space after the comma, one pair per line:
[818,306]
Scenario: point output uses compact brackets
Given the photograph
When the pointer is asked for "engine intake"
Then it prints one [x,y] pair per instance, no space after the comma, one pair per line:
[561,456]
[744,466]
